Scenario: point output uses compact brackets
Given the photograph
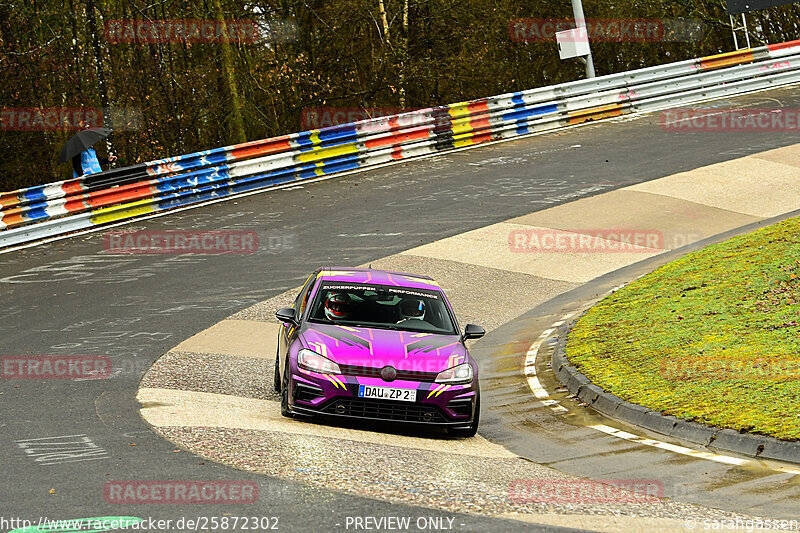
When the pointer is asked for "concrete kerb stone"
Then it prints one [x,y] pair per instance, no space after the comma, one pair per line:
[693,432]
[589,393]
[730,440]
[558,363]
[663,424]
[632,414]
[558,360]
[576,381]
[607,403]
[564,372]
[781,450]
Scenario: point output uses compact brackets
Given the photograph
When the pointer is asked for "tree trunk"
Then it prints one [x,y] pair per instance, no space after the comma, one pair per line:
[101,76]
[384,22]
[236,120]
[404,56]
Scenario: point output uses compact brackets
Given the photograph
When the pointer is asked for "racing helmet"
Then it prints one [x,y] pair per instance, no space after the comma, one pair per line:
[337,306]
[412,309]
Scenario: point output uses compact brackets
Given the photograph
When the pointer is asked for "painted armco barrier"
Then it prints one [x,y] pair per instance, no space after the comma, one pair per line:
[62,207]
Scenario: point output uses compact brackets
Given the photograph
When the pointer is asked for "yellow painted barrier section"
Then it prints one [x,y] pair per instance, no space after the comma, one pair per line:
[328,152]
[595,113]
[727,59]
[463,126]
[459,110]
[468,139]
[120,212]
[464,142]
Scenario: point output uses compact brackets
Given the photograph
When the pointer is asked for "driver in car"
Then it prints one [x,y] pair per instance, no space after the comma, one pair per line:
[411,310]
[338,306]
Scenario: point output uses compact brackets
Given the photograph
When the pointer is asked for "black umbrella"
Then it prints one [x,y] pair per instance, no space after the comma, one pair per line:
[81,141]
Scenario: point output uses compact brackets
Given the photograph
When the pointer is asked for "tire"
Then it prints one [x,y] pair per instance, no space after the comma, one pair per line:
[285,410]
[472,430]
[276,381]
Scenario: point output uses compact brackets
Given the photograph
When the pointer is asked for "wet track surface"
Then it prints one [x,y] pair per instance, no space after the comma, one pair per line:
[70,298]
[567,439]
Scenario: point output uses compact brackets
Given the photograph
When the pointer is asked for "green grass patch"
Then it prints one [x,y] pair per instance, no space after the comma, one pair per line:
[712,337]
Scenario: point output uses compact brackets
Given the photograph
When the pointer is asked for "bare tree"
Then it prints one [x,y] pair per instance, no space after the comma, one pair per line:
[235,108]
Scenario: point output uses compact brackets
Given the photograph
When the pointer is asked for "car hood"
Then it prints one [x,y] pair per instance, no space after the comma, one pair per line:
[376,348]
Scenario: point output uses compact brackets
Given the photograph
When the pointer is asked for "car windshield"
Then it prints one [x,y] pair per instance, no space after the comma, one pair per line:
[380,306]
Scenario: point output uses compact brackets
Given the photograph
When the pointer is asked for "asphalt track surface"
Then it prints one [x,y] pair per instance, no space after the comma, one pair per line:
[70,298]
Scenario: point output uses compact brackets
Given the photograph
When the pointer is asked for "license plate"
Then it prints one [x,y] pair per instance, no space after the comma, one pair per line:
[386,393]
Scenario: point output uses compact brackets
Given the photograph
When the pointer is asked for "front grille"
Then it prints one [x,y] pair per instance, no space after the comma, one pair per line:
[387,410]
[372,372]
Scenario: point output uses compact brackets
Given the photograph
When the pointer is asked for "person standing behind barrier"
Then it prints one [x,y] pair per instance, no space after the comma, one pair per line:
[78,150]
[87,162]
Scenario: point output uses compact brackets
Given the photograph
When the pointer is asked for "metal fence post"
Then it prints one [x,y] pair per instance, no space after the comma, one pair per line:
[580,20]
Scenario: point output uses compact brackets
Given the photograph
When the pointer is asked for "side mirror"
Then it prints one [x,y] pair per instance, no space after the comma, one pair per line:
[473,332]
[287,314]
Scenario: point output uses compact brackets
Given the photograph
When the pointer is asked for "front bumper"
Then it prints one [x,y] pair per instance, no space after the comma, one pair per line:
[337,396]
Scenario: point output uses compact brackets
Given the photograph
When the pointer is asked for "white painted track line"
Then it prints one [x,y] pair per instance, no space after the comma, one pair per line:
[530,369]
[726,459]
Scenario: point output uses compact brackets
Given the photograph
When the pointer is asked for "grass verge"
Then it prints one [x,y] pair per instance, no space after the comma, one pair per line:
[712,337]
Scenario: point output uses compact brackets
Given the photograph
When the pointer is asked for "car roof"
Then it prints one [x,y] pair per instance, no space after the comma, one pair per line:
[377,277]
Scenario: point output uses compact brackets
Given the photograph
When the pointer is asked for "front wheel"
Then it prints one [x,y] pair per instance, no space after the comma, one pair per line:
[276,380]
[285,410]
[472,430]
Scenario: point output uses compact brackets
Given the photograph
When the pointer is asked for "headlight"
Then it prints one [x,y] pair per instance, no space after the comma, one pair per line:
[458,374]
[314,362]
